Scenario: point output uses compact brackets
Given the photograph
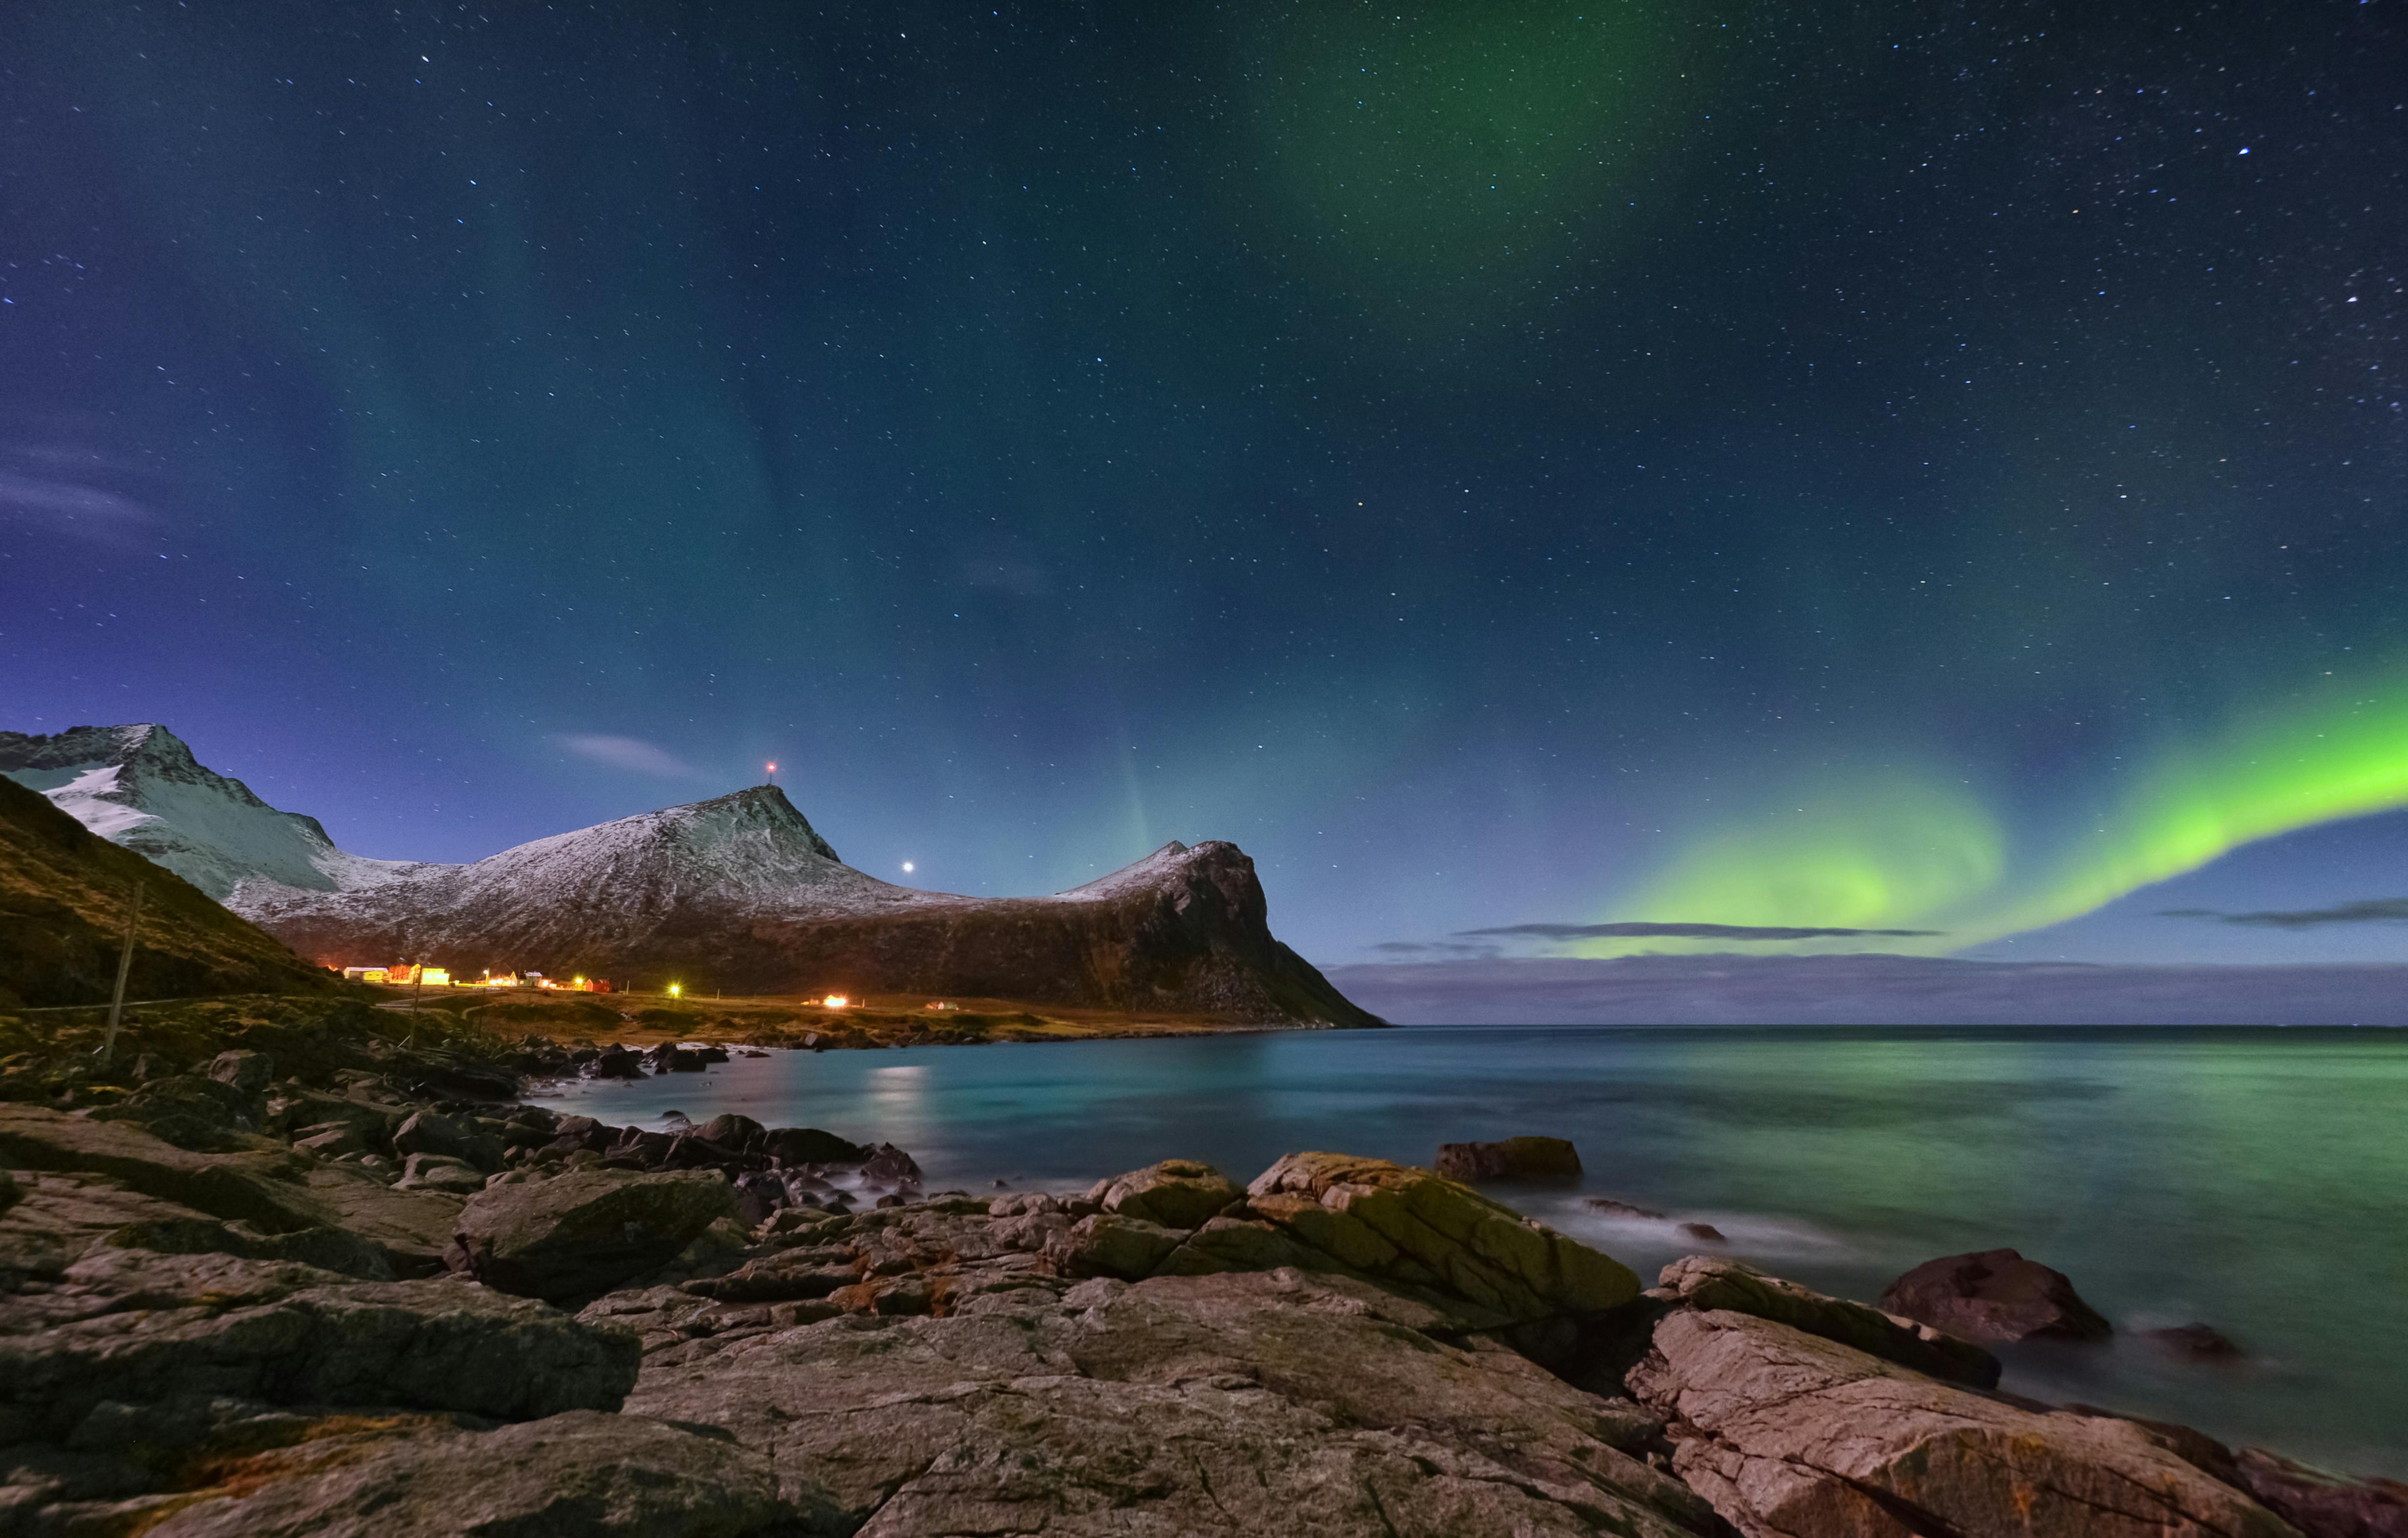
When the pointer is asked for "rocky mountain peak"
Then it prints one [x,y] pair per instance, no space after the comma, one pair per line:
[139,784]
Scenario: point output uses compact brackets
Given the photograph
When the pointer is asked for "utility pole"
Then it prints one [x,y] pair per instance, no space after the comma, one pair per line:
[125,964]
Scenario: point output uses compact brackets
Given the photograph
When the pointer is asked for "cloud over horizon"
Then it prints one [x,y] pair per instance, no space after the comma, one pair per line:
[1867,989]
[2373,910]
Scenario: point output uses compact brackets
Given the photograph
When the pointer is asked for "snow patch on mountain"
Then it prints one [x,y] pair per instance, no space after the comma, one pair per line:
[139,786]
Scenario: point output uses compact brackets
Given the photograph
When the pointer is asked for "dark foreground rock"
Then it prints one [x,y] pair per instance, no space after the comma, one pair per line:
[1995,1295]
[581,1474]
[585,1232]
[196,1344]
[1793,1435]
[2321,1503]
[1515,1159]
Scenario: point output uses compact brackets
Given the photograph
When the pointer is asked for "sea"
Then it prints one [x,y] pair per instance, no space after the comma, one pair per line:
[2251,1179]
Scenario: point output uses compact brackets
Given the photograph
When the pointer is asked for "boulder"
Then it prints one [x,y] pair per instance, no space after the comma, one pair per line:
[586,1230]
[1789,1434]
[730,1130]
[135,1327]
[2198,1341]
[580,1472]
[795,1146]
[1436,1239]
[1110,1244]
[1177,1194]
[1995,1295]
[2322,1504]
[436,1172]
[251,1072]
[1710,1282]
[467,1139]
[1515,1158]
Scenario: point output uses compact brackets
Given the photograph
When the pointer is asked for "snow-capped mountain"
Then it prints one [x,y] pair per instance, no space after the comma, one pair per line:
[738,892]
[141,786]
[608,886]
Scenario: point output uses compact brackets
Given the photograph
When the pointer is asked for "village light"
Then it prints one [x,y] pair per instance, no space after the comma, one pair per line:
[676,989]
[836,1001]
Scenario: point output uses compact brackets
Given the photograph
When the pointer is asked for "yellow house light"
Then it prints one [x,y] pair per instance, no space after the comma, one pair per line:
[676,989]
[836,1001]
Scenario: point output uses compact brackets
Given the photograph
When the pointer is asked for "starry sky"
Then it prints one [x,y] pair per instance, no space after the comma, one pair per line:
[1547,480]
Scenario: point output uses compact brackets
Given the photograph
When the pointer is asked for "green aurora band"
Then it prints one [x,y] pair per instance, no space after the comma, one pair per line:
[1875,847]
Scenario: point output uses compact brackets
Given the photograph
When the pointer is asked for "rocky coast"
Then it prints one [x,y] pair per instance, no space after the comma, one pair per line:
[290,1269]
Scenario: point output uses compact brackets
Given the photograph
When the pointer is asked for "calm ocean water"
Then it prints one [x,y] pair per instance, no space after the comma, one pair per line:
[2253,1180]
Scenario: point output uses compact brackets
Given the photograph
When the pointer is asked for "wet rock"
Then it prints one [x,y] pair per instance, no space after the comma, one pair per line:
[614,1063]
[195,1113]
[795,1146]
[888,1165]
[1704,1234]
[1995,1295]
[1789,1434]
[1613,1208]
[1515,1159]
[1177,1194]
[2322,1504]
[579,1472]
[1710,1282]
[2198,1342]
[586,1230]
[730,1130]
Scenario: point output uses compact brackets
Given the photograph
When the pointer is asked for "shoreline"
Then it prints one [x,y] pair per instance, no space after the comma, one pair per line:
[281,1192]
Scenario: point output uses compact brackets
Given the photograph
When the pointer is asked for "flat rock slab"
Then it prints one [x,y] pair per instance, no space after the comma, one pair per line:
[133,1327]
[1794,1436]
[575,1475]
[1711,1282]
[1176,1405]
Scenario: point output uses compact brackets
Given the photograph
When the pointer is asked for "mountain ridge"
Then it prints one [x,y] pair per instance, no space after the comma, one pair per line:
[139,786]
[738,892]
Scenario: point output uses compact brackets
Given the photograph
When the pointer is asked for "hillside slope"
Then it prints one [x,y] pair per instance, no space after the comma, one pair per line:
[62,901]
[141,786]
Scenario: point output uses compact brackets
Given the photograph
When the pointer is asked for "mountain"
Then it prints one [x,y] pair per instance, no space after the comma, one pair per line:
[64,893]
[141,786]
[737,893]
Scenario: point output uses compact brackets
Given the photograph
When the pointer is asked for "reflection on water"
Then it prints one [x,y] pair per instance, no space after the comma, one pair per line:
[2249,1178]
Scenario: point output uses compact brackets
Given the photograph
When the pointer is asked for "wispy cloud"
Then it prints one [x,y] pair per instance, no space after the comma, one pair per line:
[1679,932]
[70,508]
[1431,948]
[2374,910]
[633,754]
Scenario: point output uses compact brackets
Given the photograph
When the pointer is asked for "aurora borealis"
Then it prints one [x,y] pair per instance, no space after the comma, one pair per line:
[1875,467]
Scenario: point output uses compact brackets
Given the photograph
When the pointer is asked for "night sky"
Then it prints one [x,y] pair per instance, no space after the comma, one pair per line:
[1895,467]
